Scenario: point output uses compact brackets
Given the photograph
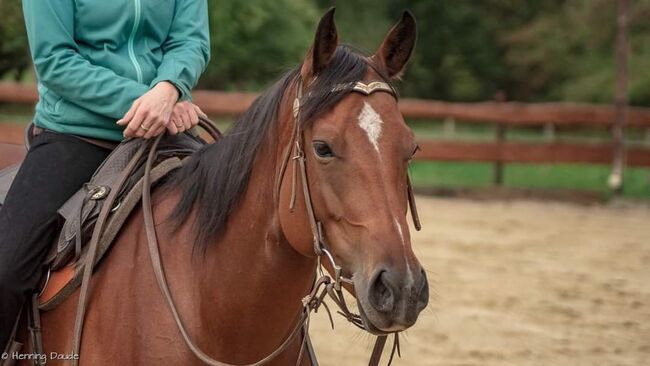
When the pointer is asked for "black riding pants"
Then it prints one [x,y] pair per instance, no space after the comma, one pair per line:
[55,167]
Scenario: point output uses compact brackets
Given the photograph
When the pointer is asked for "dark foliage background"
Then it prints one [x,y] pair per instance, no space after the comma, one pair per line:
[531,50]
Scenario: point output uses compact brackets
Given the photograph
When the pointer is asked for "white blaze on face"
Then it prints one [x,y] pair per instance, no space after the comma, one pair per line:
[371,122]
[409,280]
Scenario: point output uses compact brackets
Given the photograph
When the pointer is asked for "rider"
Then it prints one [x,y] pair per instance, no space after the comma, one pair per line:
[133,62]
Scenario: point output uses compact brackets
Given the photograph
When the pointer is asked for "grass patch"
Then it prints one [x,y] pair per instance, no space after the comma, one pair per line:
[474,174]
[428,174]
[548,176]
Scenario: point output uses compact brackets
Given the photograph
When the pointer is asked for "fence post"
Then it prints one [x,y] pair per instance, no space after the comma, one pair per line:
[449,128]
[620,99]
[549,132]
[501,131]
[498,165]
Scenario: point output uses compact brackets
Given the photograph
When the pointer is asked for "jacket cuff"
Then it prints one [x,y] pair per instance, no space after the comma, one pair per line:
[183,92]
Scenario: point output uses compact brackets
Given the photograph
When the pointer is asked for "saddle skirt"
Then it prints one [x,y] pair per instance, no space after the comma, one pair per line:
[65,260]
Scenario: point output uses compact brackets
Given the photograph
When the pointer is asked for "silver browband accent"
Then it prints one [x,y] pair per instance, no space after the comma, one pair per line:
[372,87]
[367,89]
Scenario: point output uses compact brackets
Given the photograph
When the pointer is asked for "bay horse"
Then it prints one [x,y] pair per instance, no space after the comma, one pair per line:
[236,240]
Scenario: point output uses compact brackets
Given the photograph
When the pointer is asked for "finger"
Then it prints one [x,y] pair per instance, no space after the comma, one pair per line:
[199,111]
[181,116]
[147,125]
[193,118]
[156,123]
[186,120]
[152,124]
[180,126]
[135,123]
[129,114]
[174,123]
[174,116]
[171,128]
[160,128]
[151,132]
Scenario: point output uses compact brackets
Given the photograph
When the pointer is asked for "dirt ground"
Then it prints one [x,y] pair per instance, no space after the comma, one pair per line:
[522,283]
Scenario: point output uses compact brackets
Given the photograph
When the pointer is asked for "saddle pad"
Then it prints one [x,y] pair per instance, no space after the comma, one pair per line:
[63,282]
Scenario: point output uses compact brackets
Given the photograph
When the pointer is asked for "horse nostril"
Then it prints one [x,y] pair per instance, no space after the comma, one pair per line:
[381,294]
[423,293]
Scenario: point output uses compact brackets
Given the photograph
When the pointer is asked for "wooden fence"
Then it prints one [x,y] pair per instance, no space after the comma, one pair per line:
[502,114]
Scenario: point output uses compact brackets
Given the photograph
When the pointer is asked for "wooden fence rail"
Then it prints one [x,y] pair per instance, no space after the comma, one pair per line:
[219,103]
[511,113]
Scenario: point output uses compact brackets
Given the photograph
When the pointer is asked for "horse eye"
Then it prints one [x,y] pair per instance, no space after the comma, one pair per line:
[323,150]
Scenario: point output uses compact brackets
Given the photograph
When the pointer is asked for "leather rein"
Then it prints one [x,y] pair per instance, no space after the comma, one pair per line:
[323,284]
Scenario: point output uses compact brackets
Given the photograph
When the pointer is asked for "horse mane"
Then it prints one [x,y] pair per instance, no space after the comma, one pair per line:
[213,180]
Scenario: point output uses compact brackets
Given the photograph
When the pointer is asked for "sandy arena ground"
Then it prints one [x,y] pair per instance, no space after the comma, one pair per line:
[522,283]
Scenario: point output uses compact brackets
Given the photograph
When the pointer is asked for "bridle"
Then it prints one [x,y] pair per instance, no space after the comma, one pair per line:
[323,284]
[332,286]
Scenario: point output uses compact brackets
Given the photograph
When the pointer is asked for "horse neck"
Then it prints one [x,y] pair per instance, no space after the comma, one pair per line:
[252,265]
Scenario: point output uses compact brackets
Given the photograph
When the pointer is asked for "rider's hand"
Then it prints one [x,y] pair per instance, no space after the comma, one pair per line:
[149,115]
[185,115]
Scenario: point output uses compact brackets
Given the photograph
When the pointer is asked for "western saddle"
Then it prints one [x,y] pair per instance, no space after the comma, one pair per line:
[79,214]
[117,182]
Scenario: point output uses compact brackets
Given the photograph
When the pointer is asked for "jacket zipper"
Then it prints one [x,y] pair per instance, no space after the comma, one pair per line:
[136,24]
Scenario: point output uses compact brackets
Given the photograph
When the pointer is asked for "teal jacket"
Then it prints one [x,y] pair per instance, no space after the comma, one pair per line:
[93,58]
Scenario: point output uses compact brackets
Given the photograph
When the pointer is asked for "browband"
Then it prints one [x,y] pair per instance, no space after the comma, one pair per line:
[372,87]
[367,89]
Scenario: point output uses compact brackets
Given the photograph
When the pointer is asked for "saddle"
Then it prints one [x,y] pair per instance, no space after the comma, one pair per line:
[79,214]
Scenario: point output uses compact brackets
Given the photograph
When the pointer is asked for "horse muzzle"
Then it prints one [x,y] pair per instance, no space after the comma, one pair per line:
[390,300]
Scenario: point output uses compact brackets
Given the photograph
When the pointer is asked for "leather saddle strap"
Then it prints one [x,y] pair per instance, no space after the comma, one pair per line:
[35,330]
[154,254]
[93,247]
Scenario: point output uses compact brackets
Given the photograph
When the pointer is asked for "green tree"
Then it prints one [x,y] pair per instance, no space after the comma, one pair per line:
[568,53]
[14,56]
[532,50]
[254,41]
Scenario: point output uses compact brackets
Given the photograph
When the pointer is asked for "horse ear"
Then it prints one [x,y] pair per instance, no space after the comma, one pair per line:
[397,48]
[321,52]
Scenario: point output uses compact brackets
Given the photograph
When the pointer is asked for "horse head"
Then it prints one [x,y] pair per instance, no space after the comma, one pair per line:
[356,150]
